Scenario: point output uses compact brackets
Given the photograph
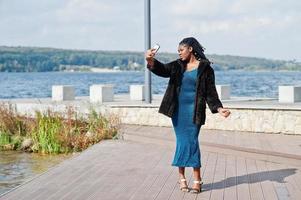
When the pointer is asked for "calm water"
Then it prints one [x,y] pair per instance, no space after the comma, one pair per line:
[27,85]
[17,167]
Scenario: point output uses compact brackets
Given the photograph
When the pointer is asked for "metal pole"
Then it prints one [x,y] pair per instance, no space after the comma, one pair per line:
[147,38]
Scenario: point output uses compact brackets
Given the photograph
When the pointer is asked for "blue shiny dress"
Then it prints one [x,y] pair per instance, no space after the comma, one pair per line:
[187,153]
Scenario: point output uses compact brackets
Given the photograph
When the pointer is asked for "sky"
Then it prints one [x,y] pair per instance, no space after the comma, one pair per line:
[256,28]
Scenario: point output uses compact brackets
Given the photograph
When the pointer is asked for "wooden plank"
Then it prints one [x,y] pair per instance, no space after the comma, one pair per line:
[292,185]
[268,189]
[254,180]
[69,176]
[191,196]
[169,185]
[266,144]
[278,181]
[297,176]
[78,183]
[208,177]
[230,181]
[36,185]
[137,171]
[109,184]
[94,166]
[149,181]
[284,181]
[142,167]
[218,186]
[92,169]
[142,173]
[177,193]
[243,192]
[143,188]
[163,171]
[49,190]
[62,186]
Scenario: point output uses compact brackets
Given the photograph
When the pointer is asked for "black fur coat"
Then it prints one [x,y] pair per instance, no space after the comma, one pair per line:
[205,88]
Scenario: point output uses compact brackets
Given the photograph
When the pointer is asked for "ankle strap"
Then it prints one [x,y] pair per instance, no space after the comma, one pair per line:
[182,179]
[197,181]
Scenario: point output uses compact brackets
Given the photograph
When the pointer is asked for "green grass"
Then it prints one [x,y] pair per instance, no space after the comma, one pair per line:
[54,132]
[4,138]
[46,133]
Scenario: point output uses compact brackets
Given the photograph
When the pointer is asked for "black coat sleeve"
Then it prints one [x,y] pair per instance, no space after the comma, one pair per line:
[160,69]
[211,96]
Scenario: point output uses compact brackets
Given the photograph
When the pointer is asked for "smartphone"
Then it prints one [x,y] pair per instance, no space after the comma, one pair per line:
[156,47]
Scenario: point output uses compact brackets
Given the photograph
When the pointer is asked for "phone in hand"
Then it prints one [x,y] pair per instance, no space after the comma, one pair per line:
[156,48]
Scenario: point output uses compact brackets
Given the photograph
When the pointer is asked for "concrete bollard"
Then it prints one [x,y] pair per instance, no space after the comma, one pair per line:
[289,94]
[137,92]
[223,91]
[62,92]
[101,93]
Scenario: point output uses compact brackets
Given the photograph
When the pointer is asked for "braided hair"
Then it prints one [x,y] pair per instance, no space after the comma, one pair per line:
[197,48]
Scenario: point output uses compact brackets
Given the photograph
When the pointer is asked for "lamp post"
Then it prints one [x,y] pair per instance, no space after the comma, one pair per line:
[147,44]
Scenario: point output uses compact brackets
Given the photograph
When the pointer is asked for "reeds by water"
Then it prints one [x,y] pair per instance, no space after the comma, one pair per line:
[54,132]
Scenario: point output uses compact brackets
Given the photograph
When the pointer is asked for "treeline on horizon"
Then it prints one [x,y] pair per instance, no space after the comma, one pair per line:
[36,59]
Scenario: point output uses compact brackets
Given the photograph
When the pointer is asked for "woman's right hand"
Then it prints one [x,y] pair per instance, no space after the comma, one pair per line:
[149,56]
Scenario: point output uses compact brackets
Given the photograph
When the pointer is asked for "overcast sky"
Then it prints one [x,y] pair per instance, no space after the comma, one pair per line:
[258,28]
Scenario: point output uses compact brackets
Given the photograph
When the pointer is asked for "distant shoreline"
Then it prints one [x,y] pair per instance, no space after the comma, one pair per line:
[38,59]
[99,70]
[108,70]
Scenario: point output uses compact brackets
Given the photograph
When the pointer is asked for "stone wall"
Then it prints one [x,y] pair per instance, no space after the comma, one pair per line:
[241,119]
[256,119]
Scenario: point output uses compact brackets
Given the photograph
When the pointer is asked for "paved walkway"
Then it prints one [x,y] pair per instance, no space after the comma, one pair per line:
[133,169]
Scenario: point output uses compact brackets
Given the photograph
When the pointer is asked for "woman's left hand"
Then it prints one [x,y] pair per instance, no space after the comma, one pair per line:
[224,112]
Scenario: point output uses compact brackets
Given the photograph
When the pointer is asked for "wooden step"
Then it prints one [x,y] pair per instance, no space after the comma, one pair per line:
[165,136]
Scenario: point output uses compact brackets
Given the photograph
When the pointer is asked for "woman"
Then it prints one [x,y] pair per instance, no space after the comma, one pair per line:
[191,84]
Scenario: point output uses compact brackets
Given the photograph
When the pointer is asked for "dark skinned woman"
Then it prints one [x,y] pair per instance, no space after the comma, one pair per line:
[191,85]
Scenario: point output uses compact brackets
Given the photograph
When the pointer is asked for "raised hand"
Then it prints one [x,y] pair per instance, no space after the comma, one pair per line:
[149,56]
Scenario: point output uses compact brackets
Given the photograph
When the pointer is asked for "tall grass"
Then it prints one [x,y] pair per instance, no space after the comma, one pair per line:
[54,132]
[4,138]
[45,134]
[11,122]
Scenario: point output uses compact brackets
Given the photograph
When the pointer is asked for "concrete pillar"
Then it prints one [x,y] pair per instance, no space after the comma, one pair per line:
[289,94]
[223,91]
[137,92]
[102,93]
[63,92]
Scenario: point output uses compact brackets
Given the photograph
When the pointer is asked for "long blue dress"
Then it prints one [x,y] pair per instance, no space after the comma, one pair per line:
[187,153]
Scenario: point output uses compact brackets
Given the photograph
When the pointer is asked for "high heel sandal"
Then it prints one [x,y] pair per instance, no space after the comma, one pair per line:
[183,188]
[197,190]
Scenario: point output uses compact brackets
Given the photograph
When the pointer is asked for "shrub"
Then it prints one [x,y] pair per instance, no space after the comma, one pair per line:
[55,132]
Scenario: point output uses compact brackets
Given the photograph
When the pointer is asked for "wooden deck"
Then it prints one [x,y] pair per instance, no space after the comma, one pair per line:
[137,170]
